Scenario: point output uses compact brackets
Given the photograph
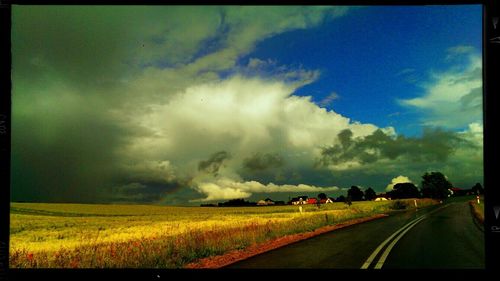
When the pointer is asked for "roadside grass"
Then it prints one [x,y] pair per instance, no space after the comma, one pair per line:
[133,236]
[477,209]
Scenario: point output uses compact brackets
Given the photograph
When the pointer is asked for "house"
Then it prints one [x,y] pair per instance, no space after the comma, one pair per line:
[383,197]
[312,201]
[326,201]
[261,203]
[456,191]
[269,201]
[299,200]
[266,202]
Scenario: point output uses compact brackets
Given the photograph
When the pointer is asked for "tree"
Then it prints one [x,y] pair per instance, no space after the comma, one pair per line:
[478,189]
[355,193]
[370,194]
[341,198]
[348,200]
[322,196]
[435,185]
[404,190]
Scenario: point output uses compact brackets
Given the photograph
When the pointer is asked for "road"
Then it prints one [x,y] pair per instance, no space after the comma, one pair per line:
[439,237]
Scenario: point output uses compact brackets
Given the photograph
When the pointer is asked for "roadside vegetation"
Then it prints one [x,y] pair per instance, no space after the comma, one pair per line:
[478,209]
[132,236]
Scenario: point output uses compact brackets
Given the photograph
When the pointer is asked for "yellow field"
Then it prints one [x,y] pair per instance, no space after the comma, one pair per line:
[89,236]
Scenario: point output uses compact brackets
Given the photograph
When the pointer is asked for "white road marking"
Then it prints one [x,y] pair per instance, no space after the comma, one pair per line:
[384,256]
[381,246]
[402,231]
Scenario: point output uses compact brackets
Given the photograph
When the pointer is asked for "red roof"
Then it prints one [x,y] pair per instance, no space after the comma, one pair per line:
[311,201]
[456,189]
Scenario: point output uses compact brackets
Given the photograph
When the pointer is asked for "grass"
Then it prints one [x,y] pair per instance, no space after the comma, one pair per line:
[133,236]
[478,209]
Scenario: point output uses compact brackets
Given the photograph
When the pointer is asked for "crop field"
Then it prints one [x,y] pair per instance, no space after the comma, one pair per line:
[44,235]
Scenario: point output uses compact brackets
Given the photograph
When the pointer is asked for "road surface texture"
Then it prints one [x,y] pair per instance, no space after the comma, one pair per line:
[439,237]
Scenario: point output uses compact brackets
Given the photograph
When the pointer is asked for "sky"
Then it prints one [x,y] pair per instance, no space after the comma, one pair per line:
[186,105]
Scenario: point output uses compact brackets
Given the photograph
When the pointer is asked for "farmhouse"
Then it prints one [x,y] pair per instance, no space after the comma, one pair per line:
[456,191]
[326,201]
[261,203]
[269,201]
[266,202]
[383,197]
[299,200]
[312,201]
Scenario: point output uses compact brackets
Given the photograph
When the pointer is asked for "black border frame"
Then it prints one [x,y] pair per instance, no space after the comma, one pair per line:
[491,89]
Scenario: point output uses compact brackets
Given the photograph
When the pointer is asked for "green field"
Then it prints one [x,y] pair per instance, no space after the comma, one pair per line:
[146,236]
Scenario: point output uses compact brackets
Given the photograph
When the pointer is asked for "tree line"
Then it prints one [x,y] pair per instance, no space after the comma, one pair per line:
[434,185]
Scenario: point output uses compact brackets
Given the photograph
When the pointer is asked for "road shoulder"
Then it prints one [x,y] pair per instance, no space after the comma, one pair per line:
[238,255]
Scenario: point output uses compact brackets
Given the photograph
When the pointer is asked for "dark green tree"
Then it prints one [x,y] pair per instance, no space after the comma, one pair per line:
[478,189]
[348,200]
[435,185]
[341,198]
[370,194]
[355,193]
[322,196]
[404,190]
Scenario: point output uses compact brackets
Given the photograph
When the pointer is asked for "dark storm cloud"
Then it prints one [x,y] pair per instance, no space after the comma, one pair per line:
[72,158]
[84,44]
[435,145]
[213,164]
[144,192]
[262,161]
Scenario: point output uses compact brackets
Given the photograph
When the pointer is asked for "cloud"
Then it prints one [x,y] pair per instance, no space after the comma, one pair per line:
[241,115]
[213,164]
[152,104]
[459,51]
[296,76]
[435,145]
[228,189]
[406,71]
[263,161]
[410,75]
[396,180]
[329,99]
[453,99]
[88,80]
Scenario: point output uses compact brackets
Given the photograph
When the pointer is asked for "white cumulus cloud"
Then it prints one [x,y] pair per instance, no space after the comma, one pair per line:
[453,99]
[396,180]
[225,188]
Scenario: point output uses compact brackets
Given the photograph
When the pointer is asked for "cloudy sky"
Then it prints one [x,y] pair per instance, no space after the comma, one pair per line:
[188,105]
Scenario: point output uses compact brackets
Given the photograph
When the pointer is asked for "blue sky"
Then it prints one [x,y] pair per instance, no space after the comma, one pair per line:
[204,104]
[367,56]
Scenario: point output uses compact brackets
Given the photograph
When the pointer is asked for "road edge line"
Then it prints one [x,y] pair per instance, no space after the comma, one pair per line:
[387,251]
[374,254]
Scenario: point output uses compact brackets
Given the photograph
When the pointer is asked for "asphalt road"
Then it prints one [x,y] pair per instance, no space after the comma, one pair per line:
[442,237]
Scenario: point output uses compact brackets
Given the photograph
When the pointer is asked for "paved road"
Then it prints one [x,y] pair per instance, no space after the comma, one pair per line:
[443,236]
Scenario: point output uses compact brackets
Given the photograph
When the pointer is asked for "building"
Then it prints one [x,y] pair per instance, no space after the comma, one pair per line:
[326,201]
[269,201]
[312,201]
[301,200]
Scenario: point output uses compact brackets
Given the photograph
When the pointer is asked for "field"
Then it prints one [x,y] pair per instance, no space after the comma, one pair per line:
[132,236]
